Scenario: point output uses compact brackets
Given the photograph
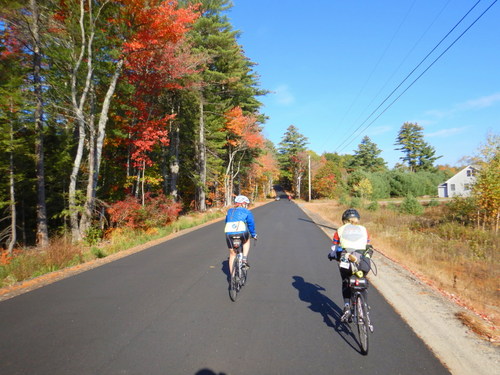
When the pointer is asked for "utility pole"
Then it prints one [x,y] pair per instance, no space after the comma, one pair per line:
[309,163]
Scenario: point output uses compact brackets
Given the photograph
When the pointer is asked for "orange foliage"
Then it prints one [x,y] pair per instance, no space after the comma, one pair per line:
[156,57]
[5,258]
[242,131]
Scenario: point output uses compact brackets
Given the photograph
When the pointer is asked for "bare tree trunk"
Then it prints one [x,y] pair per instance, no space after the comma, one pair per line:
[101,132]
[42,234]
[202,160]
[13,219]
[228,180]
[174,160]
[91,167]
[78,107]
[143,181]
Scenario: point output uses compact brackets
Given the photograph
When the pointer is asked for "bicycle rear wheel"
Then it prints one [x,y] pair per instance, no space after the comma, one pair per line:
[362,323]
[234,283]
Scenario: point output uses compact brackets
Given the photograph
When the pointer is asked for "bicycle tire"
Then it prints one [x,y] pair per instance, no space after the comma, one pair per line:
[362,323]
[244,275]
[234,283]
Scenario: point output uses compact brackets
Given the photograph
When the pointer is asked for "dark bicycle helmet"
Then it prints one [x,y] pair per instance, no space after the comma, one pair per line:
[350,213]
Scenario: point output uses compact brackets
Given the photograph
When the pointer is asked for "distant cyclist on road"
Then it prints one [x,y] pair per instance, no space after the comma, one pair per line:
[239,221]
[351,239]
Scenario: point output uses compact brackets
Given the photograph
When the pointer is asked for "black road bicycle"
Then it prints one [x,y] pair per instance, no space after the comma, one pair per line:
[239,275]
[360,314]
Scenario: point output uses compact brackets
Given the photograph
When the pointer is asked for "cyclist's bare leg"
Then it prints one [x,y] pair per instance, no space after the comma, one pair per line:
[232,255]
[246,248]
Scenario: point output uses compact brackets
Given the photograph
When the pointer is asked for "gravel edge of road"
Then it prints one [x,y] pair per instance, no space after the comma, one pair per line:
[431,315]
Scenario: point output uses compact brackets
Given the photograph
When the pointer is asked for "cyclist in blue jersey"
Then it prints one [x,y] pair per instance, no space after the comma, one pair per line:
[239,221]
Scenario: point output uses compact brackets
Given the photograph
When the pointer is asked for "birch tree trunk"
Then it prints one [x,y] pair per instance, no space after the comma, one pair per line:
[228,178]
[174,160]
[96,159]
[13,219]
[42,233]
[79,103]
[201,160]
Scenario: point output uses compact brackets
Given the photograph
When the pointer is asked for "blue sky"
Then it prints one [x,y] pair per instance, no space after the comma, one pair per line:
[329,64]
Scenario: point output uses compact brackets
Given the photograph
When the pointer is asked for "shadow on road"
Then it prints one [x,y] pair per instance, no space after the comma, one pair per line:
[207,371]
[225,268]
[329,310]
[319,225]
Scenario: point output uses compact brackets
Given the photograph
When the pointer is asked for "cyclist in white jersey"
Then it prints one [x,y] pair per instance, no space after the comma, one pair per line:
[351,238]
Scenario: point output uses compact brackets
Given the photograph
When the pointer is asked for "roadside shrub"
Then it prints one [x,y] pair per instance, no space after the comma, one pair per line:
[98,253]
[462,209]
[125,213]
[433,203]
[411,205]
[157,211]
[356,202]
[393,206]
[381,187]
[373,206]
[344,200]
[93,236]
[160,210]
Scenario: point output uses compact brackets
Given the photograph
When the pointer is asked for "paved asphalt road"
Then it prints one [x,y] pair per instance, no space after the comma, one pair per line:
[166,310]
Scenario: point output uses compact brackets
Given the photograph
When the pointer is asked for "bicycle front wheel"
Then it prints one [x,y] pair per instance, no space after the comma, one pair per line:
[244,275]
[362,323]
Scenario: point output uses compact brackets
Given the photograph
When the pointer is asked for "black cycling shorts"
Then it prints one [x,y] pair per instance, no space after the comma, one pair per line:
[229,239]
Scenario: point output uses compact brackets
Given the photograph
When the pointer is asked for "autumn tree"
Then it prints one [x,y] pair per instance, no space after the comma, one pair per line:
[487,187]
[133,100]
[105,37]
[327,180]
[243,134]
[225,81]
[263,172]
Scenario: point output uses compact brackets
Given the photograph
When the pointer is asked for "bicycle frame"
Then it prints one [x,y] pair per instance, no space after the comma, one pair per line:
[360,317]
[239,274]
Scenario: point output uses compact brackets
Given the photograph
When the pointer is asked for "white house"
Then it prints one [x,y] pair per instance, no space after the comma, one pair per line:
[459,185]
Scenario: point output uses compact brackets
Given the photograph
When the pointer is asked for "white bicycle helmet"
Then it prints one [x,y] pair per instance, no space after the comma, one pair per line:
[241,199]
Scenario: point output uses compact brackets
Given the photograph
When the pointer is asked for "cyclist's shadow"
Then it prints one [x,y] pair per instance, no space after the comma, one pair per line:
[321,304]
[225,269]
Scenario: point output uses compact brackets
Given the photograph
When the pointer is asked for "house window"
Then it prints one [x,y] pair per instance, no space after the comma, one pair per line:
[452,187]
[469,173]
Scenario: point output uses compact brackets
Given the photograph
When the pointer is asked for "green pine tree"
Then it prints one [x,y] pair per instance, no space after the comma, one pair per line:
[367,157]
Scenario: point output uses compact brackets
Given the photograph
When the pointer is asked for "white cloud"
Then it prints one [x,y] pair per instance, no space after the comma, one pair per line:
[283,95]
[379,130]
[470,105]
[484,102]
[447,132]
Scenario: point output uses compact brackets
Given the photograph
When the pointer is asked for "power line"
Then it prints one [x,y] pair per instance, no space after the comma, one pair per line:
[377,64]
[348,139]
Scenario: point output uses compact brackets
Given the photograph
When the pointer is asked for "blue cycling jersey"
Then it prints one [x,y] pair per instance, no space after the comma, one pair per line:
[241,214]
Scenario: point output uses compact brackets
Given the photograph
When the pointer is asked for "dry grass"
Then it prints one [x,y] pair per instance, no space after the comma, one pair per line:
[460,262]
